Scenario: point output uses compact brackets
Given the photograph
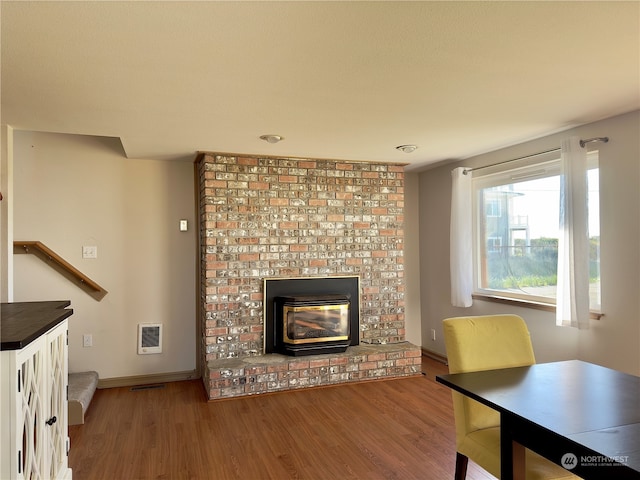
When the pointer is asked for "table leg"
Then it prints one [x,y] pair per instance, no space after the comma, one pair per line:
[512,457]
[519,468]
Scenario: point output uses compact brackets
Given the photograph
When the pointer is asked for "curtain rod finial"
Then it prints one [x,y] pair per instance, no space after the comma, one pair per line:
[591,140]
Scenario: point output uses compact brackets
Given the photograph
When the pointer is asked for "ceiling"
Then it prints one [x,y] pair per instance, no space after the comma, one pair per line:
[339,80]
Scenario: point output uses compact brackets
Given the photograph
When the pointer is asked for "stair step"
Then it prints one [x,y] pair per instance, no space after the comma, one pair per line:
[82,386]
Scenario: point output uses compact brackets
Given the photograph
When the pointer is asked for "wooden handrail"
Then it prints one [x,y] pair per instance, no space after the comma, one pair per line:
[59,264]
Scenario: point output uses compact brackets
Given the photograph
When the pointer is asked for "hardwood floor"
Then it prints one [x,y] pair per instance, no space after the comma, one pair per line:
[393,429]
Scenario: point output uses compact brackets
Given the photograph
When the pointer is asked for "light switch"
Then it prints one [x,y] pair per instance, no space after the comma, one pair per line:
[183,225]
[90,252]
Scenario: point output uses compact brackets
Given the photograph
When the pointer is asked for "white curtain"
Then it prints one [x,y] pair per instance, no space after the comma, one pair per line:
[461,242]
[572,307]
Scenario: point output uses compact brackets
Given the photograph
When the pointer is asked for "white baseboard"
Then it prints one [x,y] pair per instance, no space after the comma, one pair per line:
[435,356]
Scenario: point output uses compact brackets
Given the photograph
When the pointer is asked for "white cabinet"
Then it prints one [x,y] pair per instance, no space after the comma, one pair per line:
[33,403]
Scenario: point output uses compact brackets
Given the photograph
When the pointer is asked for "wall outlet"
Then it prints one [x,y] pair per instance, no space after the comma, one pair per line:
[433,334]
[87,340]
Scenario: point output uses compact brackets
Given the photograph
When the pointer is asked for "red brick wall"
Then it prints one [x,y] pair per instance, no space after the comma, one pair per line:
[279,217]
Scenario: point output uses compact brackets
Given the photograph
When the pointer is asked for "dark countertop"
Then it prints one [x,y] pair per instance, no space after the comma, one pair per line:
[21,323]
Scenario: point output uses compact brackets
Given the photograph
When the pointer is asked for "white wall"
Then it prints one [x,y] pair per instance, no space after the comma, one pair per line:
[71,191]
[6,213]
[413,324]
[614,340]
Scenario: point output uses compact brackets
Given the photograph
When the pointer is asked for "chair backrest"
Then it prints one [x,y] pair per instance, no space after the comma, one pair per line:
[483,343]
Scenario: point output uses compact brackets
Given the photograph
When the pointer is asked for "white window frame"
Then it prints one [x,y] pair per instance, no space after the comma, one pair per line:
[546,165]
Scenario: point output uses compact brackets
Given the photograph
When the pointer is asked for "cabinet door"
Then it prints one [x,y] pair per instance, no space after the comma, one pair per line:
[30,405]
[56,411]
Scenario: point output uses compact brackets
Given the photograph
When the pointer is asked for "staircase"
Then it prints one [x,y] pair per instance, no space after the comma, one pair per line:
[82,386]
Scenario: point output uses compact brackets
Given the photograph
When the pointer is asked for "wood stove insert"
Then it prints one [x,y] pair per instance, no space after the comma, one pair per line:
[310,316]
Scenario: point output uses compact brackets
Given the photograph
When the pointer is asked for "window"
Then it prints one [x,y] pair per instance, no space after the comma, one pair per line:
[516,230]
[494,244]
[492,207]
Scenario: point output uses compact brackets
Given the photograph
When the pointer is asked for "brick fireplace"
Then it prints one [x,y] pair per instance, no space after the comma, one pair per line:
[263,217]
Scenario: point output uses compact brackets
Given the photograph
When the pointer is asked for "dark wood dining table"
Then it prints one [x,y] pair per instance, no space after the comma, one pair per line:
[581,416]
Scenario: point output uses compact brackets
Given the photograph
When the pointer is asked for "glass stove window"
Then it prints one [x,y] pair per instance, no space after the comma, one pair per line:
[329,322]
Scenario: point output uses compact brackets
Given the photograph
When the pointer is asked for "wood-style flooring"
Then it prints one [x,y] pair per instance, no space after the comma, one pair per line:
[392,429]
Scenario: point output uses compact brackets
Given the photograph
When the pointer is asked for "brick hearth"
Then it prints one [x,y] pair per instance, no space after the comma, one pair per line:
[274,372]
[281,218]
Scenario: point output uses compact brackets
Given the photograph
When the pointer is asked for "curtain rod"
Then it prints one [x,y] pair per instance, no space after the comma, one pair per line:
[582,144]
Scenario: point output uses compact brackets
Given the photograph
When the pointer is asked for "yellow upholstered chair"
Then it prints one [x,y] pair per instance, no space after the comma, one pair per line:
[487,343]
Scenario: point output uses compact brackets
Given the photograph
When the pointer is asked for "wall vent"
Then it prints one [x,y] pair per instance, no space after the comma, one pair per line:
[146,387]
[149,338]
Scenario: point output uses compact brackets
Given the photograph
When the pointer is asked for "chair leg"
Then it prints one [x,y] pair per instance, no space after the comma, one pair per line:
[461,466]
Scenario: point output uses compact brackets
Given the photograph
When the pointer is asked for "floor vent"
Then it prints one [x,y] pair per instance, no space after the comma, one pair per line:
[147,387]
